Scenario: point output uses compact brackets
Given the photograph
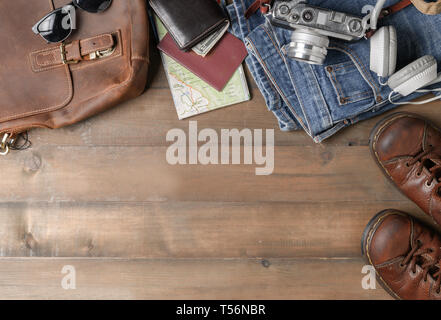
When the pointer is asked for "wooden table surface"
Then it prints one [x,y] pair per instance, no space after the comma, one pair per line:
[100,196]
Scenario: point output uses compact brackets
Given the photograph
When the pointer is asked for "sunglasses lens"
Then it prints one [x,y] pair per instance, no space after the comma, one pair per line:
[93,6]
[56,27]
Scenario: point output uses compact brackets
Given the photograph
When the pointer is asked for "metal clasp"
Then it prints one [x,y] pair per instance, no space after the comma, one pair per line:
[63,55]
[268,8]
[5,144]
[101,53]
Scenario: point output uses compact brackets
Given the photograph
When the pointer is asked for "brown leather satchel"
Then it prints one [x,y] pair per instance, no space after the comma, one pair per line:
[103,63]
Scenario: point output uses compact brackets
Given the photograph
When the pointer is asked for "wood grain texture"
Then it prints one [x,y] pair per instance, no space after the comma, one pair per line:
[100,196]
[187,279]
[187,229]
[309,173]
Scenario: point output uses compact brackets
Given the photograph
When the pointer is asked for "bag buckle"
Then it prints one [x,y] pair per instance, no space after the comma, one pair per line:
[102,53]
[5,144]
[63,55]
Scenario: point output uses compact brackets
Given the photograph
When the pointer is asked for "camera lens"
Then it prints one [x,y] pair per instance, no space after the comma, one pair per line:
[308,46]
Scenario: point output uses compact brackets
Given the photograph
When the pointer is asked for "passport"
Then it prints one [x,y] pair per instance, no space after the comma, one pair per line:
[217,67]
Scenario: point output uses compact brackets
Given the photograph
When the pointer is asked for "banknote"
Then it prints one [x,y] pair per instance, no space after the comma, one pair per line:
[204,47]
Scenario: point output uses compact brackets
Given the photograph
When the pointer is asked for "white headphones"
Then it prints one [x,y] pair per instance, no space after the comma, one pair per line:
[383,59]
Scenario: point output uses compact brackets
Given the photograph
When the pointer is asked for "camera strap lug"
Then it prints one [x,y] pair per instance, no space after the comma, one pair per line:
[263,5]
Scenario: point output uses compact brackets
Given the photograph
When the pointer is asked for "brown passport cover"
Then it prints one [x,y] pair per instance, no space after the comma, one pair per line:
[217,67]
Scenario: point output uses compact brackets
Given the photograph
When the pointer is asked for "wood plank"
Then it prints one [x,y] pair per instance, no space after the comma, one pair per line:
[187,229]
[315,174]
[146,120]
[186,279]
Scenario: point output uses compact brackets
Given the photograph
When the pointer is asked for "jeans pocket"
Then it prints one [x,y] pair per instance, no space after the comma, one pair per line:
[348,83]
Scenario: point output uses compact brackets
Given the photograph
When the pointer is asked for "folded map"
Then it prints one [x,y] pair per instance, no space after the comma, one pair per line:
[192,95]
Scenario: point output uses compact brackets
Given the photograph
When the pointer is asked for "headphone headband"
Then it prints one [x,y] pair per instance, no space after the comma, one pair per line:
[375,15]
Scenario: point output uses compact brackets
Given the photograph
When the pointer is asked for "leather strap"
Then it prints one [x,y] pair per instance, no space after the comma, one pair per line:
[263,5]
[395,8]
[74,52]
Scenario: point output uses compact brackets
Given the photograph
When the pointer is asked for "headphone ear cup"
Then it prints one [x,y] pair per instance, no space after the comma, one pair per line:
[383,59]
[416,75]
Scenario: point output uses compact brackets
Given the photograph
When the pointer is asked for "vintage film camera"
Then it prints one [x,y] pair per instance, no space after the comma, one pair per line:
[312,28]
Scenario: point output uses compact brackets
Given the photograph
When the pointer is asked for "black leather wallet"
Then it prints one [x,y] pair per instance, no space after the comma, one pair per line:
[189,21]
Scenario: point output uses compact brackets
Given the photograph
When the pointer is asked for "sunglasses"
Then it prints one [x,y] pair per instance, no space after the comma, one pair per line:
[58,25]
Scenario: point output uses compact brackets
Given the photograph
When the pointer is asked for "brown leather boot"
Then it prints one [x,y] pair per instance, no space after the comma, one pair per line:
[405,254]
[407,148]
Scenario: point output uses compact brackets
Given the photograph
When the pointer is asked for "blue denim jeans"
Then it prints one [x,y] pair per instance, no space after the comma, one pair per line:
[327,98]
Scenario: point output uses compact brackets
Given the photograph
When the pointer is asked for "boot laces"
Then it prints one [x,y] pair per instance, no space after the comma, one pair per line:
[431,267]
[426,159]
